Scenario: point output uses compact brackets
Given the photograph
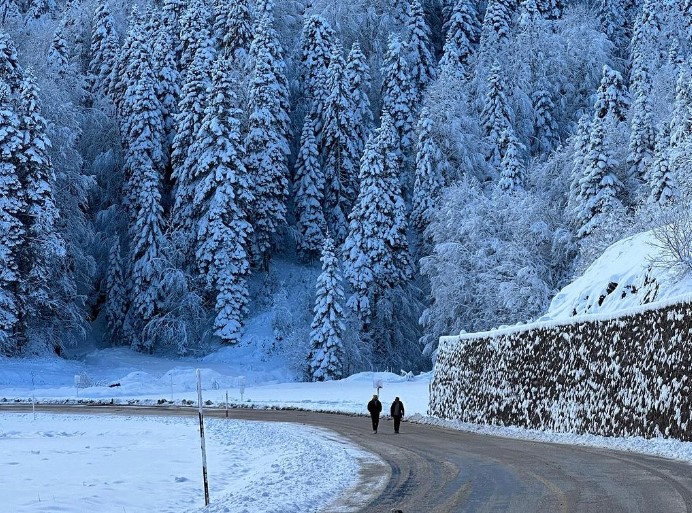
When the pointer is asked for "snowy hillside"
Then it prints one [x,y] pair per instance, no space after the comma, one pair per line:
[630,273]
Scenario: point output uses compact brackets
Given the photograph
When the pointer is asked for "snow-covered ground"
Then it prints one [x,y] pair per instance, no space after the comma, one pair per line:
[135,464]
[632,272]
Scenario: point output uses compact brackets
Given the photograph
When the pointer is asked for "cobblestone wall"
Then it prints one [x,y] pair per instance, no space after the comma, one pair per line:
[630,375]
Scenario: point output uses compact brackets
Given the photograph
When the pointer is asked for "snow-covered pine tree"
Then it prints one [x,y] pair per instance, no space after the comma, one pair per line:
[267,38]
[496,116]
[462,36]
[398,99]
[13,209]
[222,204]
[358,75]
[10,70]
[317,46]
[511,165]
[429,181]
[612,99]
[104,49]
[551,9]
[497,23]
[421,60]
[309,194]
[38,8]
[58,61]
[615,23]
[579,148]
[193,99]
[233,26]
[167,79]
[194,33]
[116,293]
[339,151]
[266,155]
[641,144]
[44,253]
[546,135]
[599,187]
[376,254]
[143,166]
[325,360]
[663,186]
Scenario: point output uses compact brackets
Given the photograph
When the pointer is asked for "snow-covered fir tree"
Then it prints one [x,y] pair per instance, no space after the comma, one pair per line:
[104,48]
[398,97]
[511,165]
[376,254]
[599,187]
[421,60]
[612,98]
[463,33]
[267,147]
[309,194]
[58,59]
[143,164]
[663,186]
[116,293]
[10,70]
[222,202]
[13,209]
[45,248]
[340,153]
[429,181]
[325,361]
[358,75]
[496,117]
[545,129]
[233,27]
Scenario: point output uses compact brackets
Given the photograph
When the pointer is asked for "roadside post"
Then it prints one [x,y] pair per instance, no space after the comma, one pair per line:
[201,435]
[377,383]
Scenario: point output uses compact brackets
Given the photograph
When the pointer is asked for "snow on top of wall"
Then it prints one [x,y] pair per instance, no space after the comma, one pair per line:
[627,278]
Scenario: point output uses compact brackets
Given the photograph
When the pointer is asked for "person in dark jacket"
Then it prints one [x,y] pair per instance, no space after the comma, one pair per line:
[375,408]
[397,411]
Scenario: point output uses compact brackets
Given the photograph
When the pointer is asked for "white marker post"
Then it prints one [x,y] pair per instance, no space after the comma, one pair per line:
[201,434]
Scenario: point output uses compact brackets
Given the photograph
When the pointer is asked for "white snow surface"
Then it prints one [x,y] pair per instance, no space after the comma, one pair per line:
[76,463]
[629,274]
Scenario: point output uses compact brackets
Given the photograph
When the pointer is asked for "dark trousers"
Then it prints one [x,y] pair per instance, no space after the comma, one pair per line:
[375,421]
[397,423]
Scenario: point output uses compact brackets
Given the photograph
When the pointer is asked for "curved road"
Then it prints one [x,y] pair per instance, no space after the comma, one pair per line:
[434,470]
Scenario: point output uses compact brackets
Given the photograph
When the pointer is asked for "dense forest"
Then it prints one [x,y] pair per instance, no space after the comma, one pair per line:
[450,164]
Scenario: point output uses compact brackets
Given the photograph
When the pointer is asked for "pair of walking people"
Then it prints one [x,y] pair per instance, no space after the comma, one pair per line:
[396,411]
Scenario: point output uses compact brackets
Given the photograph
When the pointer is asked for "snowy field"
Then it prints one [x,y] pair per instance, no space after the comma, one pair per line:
[71,464]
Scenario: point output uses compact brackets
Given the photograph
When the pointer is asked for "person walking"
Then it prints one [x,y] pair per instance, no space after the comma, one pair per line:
[397,411]
[375,408]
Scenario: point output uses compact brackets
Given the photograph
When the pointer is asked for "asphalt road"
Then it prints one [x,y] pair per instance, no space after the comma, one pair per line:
[428,469]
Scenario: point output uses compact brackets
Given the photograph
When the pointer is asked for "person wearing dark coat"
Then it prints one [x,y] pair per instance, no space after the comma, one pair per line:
[397,411]
[375,408]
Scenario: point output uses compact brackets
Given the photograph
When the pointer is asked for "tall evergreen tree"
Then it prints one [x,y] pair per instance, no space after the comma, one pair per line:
[497,23]
[340,153]
[612,99]
[398,94]
[266,152]
[551,9]
[116,293]
[599,187]
[545,129]
[13,209]
[194,33]
[496,117]
[193,99]
[223,200]
[358,75]
[325,361]
[663,186]
[429,181]
[10,70]
[309,194]
[45,248]
[104,49]
[376,254]
[511,166]
[462,35]
[420,57]
[143,165]
[58,59]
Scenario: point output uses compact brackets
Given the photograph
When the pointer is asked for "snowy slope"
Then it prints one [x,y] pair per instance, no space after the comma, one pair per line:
[627,275]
